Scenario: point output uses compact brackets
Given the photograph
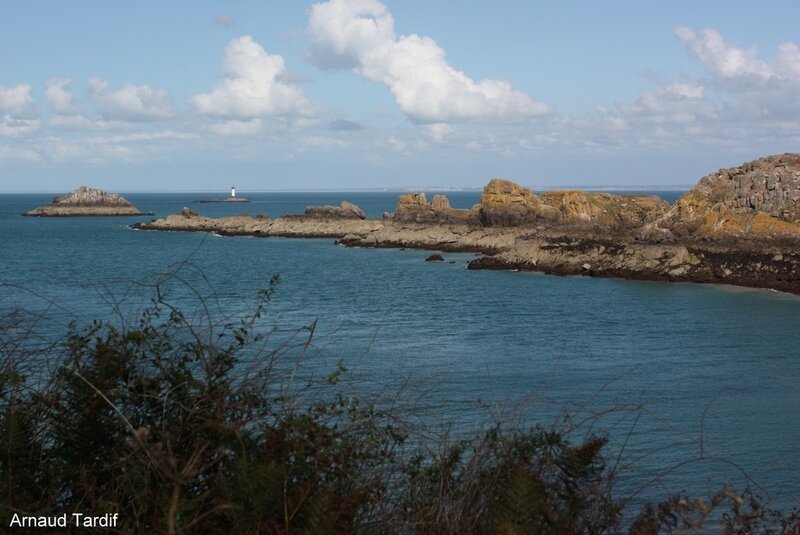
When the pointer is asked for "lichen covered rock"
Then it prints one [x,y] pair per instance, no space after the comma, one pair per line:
[415,208]
[757,200]
[507,204]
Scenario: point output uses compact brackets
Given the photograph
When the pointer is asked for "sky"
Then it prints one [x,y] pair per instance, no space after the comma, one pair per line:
[357,94]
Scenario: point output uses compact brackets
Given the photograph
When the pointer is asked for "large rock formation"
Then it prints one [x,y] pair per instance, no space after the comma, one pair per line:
[415,208]
[506,204]
[758,200]
[604,210]
[86,201]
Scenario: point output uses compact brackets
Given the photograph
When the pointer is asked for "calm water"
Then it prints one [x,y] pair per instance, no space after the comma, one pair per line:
[683,364]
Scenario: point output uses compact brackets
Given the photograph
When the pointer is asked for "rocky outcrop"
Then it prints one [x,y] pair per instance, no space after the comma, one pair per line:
[415,208]
[759,200]
[346,210]
[604,210]
[261,225]
[506,204]
[580,233]
[86,201]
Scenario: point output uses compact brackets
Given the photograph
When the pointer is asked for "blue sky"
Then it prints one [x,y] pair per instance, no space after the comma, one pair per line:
[371,94]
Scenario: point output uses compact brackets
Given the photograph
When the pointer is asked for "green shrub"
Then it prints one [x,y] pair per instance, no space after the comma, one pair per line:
[185,426]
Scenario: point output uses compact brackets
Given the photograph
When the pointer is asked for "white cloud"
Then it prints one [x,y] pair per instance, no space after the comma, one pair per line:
[753,89]
[11,153]
[683,90]
[359,34]
[141,137]
[396,145]
[18,111]
[721,58]
[238,128]
[60,97]
[439,131]
[82,122]
[726,61]
[11,126]
[253,86]
[131,102]
[17,101]
[788,61]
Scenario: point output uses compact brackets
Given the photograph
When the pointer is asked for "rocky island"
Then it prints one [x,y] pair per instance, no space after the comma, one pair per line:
[736,226]
[86,201]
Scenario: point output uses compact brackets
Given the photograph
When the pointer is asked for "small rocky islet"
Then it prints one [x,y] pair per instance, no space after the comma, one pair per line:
[86,201]
[737,226]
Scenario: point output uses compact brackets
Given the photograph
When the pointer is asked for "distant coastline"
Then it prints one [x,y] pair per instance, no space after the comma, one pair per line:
[397,189]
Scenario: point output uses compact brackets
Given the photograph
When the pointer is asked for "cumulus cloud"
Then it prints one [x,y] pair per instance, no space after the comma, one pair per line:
[438,131]
[60,97]
[668,111]
[756,88]
[18,111]
[17,101]
[720,58]
[788,61]
[131,102]
[253,86]
[13,127]
[359,35]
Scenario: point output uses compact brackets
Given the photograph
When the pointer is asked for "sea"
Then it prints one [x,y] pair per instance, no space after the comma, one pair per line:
[696,386]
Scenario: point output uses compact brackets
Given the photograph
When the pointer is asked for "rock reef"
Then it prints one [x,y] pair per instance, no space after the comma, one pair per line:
[737,226]
[86,201]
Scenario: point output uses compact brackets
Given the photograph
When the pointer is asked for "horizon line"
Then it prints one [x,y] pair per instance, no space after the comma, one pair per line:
[392,189]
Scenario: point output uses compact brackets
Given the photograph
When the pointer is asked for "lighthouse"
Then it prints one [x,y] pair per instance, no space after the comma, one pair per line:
[233,191]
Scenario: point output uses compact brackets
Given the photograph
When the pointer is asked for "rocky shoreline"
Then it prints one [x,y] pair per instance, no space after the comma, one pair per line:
[738,226]
[86,201]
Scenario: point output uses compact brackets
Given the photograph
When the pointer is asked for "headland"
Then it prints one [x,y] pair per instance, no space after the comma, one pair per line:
[737,226]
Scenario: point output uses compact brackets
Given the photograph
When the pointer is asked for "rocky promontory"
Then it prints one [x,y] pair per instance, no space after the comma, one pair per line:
[86,201]
[759,200]
[737,226]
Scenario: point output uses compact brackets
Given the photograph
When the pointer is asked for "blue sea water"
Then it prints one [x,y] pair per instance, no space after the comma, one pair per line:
[671,372]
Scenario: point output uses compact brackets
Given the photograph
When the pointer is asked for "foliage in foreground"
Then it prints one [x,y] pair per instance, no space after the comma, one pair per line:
[183,428]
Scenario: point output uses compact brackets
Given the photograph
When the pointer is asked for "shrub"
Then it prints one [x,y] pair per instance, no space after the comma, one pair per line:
[184,426]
